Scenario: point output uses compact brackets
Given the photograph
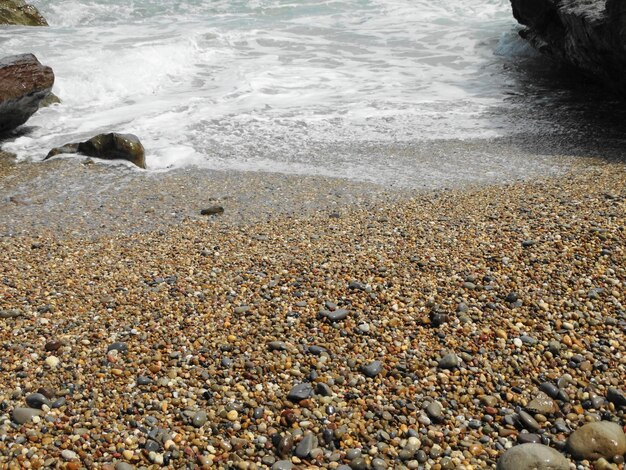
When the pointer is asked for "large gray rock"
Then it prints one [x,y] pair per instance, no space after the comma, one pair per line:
[18,12]
[596,440]
[107,146]
[588,34]
[24,82]
[532,457]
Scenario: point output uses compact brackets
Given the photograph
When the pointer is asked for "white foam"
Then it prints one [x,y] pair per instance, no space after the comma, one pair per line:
[268,85]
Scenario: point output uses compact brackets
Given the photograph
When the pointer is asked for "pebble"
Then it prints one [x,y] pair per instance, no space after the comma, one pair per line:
[306,445]
[118,346]
[372,369]
[69,455]
[337,315]
[532,457]
[434,410]
[617,397]
[37,400]
[595,440]
[528,421]
[52,362]
[282,465]
[300,392]
[449,361]
[199,419]
[542,404]
[25,415]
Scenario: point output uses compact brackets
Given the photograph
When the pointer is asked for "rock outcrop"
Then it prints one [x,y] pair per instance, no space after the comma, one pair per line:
[18,12]
[24,82]
[588,34]
[107,146]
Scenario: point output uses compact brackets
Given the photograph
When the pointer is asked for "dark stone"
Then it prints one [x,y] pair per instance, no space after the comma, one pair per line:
[617,397]
[337,315]
[118,346]
[18,12]
[108,147]
[213,210]
[300,392]
[372,369]
[24,82]
[589,35]
[37,400]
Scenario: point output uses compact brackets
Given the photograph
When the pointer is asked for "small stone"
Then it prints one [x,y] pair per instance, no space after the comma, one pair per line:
[337,315]
[69,455]
[434,410]
[528,438]
[277,346]
[595,440]
[449,361]
[549,389]
[199,419]
[532,457]
[118,346]
[232,415]
[25,415]
[323,389]
[617,397]
[143,380]
[306,445]
[282,465]
[300,392]
[528,421]
[212,210]
[124,466]
[52,346]
[542,404]
[37,400]
[372,369]
[52,362]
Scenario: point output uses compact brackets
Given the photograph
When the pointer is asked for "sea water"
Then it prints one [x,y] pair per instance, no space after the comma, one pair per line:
[399,92]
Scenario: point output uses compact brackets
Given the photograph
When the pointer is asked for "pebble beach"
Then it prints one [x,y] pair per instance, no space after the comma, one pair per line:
[433,330]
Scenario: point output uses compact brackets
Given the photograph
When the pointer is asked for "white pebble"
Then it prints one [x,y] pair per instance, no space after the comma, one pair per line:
[518,342]
[52,361]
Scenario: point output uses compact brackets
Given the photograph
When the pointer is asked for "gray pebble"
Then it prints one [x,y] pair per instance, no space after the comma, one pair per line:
[300,392]
[449,361]
[372,369]
[37,400]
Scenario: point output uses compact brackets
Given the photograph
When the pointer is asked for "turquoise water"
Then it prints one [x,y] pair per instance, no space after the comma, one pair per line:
[361,89]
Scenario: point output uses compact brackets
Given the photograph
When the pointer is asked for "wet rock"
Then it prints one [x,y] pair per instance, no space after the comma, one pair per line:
[18,12]
[111,146]
[306,445]
[595,440]
[24,82]
[532,457]
[588,35]
[199,419]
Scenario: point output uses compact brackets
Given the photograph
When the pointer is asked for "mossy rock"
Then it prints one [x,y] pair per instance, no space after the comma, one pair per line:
[18,12]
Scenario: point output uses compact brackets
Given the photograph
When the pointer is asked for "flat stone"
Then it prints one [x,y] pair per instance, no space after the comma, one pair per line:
[282,465]
[124,466]
[213,210]
[306,445]
[25,415]
[532,457]
[528,421]
[300,392]
[69,455]
[595,440]
[277,346]
[542,404]
[549,389]
[118,346]
[372,369]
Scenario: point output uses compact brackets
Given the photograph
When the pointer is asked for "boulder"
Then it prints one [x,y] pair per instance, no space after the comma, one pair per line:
[24,82]
[18,12]
[595,440]
[589,35]
[108,147]
[532,457]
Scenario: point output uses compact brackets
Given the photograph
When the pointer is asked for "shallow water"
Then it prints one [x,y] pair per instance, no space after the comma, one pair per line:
[385,91]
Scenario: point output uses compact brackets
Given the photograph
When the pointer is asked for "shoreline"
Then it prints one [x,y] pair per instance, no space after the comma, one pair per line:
[183,344]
